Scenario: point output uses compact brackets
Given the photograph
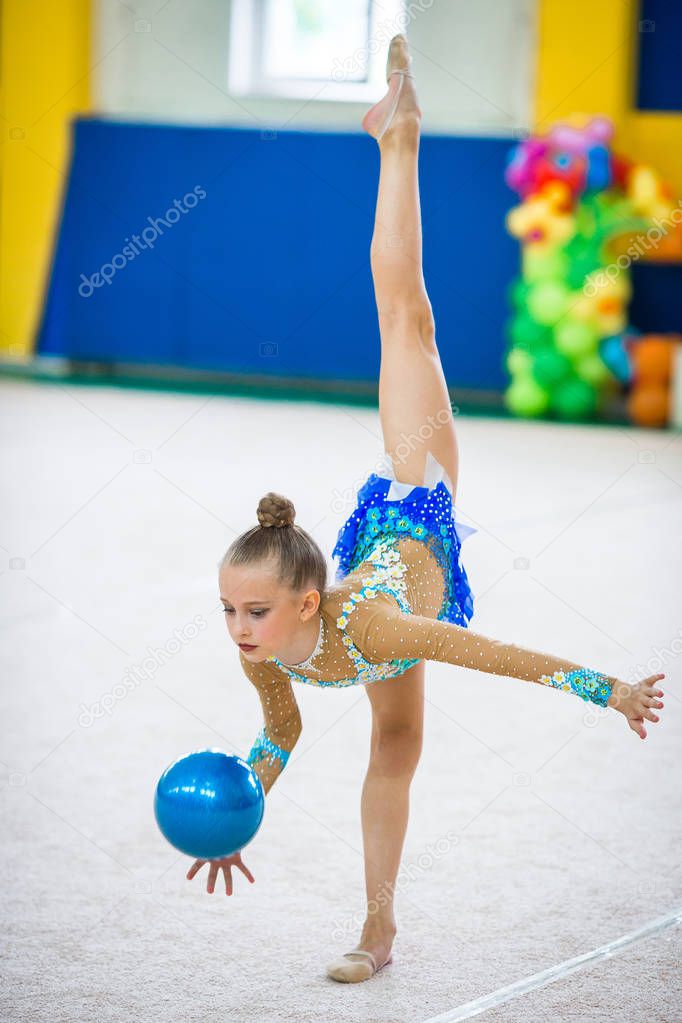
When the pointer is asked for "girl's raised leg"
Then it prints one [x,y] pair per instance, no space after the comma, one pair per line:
[414,405]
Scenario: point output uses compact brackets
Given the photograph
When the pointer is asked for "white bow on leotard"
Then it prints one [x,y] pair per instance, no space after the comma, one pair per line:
[434,472]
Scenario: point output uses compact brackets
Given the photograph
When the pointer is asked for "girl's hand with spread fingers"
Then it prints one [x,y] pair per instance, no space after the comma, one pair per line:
[226,864]
[635,702]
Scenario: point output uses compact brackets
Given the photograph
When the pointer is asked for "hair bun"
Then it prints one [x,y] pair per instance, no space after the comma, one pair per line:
[275,510]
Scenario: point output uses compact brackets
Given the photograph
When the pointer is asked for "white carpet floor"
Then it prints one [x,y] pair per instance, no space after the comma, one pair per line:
[560,829]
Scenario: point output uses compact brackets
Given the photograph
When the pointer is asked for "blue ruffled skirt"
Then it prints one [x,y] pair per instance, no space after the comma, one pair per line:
[386,508]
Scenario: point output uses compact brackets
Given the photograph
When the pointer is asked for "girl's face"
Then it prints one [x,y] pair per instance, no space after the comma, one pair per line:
[263,618]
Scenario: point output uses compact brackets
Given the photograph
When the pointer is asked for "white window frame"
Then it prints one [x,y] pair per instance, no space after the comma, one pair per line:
[245,76]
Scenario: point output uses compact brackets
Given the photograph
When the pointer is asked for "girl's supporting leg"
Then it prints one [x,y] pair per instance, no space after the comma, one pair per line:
[414,405]
[396,743]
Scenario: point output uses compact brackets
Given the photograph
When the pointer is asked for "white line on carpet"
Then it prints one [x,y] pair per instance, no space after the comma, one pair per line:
[554,973]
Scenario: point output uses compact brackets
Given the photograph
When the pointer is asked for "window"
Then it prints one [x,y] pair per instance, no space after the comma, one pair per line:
[312,49]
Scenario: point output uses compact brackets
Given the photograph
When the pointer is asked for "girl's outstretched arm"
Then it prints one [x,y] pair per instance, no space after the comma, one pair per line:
[383,632]
[268,756]
[281,722]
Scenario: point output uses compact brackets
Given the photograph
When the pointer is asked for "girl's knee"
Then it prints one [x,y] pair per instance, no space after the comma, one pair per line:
[408,317]
[396,751]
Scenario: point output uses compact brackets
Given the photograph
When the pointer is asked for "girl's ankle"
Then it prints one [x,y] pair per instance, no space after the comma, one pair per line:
[404,132]
[379,928]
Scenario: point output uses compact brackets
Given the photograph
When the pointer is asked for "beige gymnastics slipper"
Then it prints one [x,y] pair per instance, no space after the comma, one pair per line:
[351,971]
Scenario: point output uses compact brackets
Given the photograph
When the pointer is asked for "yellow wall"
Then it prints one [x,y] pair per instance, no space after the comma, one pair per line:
[45,50]
[587,63]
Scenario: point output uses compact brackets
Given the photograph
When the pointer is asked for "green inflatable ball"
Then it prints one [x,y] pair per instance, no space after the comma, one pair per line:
[550,367]
[548,301]
[575,338]
[579,268]
[519,362]
[592,369]
[518,293]
[541,264]
[574,399]
[525,332]
[525,397]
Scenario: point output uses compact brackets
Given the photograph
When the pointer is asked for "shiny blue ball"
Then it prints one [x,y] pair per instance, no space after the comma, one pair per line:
[209,804]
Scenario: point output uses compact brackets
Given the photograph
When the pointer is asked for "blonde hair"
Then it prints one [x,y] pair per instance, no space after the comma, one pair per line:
[276,538]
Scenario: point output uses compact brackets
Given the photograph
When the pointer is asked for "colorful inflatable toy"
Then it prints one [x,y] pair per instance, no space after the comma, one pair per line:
[581,205]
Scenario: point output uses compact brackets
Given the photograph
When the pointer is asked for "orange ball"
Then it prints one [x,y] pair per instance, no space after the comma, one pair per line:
[652,359]
[649,405]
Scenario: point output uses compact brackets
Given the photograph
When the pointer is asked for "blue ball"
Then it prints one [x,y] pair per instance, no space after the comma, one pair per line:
[209,804]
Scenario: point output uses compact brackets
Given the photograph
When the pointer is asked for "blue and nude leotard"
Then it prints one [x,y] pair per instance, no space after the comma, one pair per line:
[380,620]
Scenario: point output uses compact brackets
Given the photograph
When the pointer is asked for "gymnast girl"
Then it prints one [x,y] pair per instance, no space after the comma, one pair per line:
[401,596]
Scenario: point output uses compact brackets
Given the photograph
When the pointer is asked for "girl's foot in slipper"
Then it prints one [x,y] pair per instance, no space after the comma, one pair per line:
[355,966]
[371,955]
[399,107]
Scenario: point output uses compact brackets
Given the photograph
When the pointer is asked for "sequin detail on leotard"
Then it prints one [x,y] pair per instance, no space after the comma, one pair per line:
[425,514]
[264,749]
[387,576]
[586,683]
